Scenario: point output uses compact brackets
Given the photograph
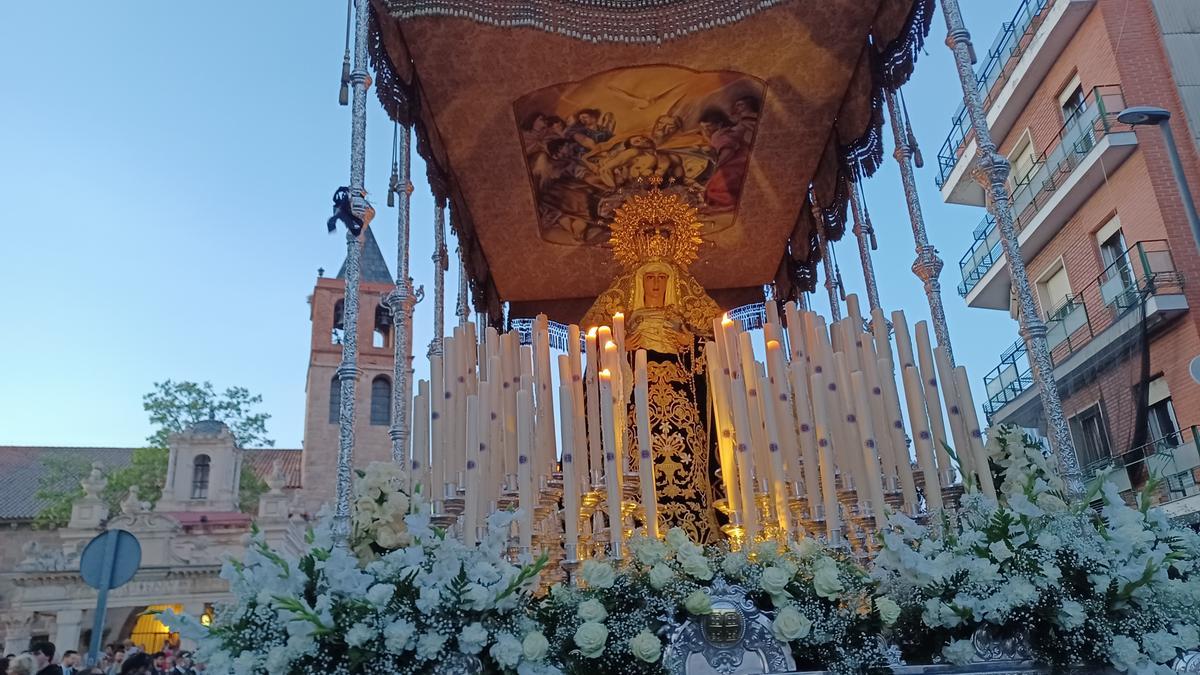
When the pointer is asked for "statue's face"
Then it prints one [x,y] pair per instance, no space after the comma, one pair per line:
[655,288]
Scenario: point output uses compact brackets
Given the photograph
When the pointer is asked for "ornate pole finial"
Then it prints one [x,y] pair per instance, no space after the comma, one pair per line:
[991,170]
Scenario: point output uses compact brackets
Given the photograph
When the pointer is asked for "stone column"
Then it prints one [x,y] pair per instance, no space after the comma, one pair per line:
[992,170]
[18,631]
[67,626]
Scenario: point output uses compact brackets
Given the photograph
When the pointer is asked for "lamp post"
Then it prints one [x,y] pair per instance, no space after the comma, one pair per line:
[1144,116]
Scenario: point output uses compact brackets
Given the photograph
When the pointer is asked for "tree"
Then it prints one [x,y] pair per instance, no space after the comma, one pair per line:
[175,406]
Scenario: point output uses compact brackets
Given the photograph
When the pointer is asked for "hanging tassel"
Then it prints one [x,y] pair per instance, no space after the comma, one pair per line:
[394,180]
[344,90]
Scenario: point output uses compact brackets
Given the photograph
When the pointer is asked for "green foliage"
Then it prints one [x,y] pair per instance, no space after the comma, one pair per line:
[175,406]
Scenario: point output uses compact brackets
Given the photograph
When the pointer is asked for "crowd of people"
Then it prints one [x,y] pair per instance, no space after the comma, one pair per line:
[116,659]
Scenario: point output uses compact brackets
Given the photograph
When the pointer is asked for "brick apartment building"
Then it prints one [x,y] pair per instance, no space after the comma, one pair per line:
[1101,226]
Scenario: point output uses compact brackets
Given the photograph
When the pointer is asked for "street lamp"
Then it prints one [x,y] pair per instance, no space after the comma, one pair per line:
[1144,115]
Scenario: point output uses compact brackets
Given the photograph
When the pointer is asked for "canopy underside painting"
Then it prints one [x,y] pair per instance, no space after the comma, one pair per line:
[536,118]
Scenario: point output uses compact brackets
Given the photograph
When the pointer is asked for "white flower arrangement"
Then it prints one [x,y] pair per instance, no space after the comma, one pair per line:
[621,615]
[1115,586]
[408,608]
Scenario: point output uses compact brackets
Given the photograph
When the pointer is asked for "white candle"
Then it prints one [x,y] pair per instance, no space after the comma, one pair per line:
[646,473]
[779,493]
[591,385]
[891,399]
[437,421]
[718,377]
[933,398]
[808,438]
[974,435]
[833,521]
[612,475]
[471,512]
[954,418]
[741,426]
[870,452]
[420,456]
[618,331]
[921,438]
[525,446]
[569,469]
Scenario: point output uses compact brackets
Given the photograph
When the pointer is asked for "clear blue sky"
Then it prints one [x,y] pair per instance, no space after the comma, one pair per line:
[166,171]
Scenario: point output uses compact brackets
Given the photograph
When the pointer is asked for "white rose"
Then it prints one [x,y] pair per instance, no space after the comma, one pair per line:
[387,536]
[697,566]
[359,634]
[472,638]
[590,638]
[804,547]
[645,646]
[677,538]
[598,574]
[507,651]
[429,645]
[774,581]
[889,611]
[660,576]
[825,578]
[698,603]
[592,610]
[648,551]
[790,625]
[1000,551]
[959,652]
[397,637]
[734,563]
[535,646]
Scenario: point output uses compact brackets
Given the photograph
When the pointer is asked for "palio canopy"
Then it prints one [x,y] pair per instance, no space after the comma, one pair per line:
[536,118]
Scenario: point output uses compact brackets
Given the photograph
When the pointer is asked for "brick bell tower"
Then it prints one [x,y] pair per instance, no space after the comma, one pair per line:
[373,405]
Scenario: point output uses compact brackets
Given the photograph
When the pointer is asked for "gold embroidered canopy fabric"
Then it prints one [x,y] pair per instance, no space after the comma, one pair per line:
[534,128]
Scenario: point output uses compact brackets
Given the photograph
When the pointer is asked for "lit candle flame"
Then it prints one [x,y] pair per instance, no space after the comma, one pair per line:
[726,321]
[772,344]
[610,345]
[592,332]
[604,374]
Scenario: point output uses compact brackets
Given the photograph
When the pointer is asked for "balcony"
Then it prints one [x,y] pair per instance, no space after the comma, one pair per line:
[1173,459]
[1086,150]
[1098,324]
[1006,80]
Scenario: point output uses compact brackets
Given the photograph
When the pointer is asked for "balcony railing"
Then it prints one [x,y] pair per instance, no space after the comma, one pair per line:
[1168,458]
[993,72]
[1094,119]
[1144,270]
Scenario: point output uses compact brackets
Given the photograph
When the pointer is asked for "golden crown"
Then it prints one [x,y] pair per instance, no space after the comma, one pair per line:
[655,226]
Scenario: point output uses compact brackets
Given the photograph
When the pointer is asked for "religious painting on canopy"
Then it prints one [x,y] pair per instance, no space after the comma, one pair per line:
[587,143]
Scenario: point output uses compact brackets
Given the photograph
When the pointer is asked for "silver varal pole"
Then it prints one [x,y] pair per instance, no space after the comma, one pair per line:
[992,170]
[441,262]
[401,302]
[348,370]
[928,265]
[864,246]
[461,309]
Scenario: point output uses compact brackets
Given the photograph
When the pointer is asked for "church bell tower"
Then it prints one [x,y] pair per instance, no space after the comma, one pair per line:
[373,405]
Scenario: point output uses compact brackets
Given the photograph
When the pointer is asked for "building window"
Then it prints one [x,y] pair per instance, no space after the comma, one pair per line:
[1181,485]
[1091,438]
[335,400]
[1023,162]
[1054,290]
[381,401]
[1073,100]
[1163,426]
[337,332]
[381,338]
[200,468]
[149,633]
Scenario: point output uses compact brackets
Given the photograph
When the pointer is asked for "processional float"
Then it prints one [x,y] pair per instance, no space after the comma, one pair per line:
[744,165]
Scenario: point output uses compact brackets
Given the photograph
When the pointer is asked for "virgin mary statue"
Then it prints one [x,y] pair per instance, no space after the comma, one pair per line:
[655,238]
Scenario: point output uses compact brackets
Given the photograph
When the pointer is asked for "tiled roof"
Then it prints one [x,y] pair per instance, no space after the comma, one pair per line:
[261,460]
[22,467]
